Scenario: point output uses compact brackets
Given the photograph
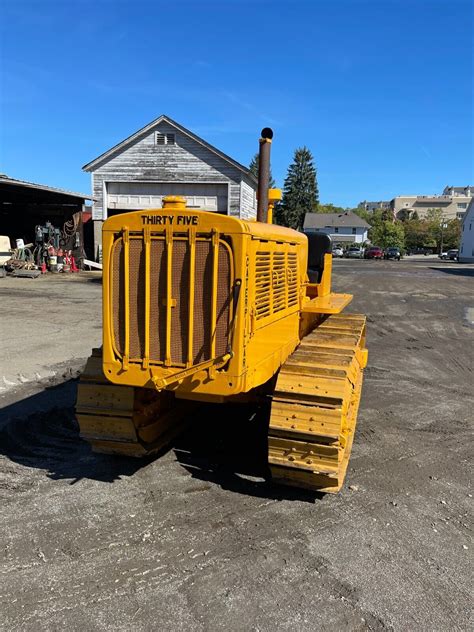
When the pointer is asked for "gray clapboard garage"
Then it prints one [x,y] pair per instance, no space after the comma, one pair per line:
[165,158]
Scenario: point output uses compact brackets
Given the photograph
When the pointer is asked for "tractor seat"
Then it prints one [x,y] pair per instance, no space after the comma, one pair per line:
[319,244]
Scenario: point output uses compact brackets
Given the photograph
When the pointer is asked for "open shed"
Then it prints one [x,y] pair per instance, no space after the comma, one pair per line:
[25,205]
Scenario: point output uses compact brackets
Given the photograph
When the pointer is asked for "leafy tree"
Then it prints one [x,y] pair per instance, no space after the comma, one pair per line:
[379,216]
[388,233]
[253,167]
[426,233]
[416,234]
[300,191]
[452,234]
[362,213]
[330,208]
[404,214]
[434,221]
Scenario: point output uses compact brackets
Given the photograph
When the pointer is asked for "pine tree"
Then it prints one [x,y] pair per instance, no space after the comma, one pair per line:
[300,191]
[253,167]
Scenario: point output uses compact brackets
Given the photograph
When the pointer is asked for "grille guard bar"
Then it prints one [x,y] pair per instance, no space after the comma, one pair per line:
[173,378]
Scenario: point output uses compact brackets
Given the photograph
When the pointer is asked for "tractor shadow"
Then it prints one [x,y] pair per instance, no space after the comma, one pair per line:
[41,431]
[465,272]
[226,445]
[223,444]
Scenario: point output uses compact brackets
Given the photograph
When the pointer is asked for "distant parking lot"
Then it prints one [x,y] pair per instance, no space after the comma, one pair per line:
[197,539]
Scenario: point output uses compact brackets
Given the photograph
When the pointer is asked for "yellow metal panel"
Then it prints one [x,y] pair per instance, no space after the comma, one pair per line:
[106,427]
[215,264]
[169,285]
[147,242]
[304,455]
[192,267]
[126,293]
[329,304]
[115,399]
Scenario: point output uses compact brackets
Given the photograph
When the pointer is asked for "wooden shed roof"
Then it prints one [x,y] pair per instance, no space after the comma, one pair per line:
[90,166]
[22,188]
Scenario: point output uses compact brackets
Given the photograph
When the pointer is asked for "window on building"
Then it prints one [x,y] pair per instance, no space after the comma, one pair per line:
[459,215]
[164,139]
[353,231]
[462,205]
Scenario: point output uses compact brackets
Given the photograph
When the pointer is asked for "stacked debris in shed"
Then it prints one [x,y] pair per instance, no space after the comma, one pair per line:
[54,250]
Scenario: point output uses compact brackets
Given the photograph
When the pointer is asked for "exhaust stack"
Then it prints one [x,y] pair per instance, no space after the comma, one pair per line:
[265,143]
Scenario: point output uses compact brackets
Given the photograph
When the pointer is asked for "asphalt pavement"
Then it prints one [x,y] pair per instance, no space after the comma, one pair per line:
[198,539]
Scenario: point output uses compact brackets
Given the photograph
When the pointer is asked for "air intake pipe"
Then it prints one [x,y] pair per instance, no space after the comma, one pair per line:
[265,143]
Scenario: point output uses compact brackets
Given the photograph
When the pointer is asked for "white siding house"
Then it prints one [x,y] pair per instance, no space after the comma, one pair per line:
[466,247]
[164,158]
[343,228]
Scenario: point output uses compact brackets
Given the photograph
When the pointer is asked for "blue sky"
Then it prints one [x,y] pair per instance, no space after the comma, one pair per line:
[379,90]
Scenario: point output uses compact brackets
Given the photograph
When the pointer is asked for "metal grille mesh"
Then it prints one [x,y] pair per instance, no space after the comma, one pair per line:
[292,277]
[263,282]
[279,281]
[276,281]
[180,292]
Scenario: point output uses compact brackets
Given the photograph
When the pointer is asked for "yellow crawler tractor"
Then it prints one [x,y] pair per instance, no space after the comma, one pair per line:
[200,307]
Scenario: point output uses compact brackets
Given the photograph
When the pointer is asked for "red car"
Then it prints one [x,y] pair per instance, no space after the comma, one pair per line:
[373,253]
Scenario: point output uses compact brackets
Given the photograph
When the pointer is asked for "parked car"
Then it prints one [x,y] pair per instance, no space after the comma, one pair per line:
[393,253]
[374,252]
[419,251]
[337,252]
[443,255]
[354,252]
[453,254]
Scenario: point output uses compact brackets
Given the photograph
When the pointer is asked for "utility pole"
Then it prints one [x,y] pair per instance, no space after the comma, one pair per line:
[443,226]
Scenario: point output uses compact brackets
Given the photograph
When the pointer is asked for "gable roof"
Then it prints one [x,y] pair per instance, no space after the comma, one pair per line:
[166,119]
[325,220]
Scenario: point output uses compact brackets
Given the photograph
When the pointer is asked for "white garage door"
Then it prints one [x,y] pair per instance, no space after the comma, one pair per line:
[131,196]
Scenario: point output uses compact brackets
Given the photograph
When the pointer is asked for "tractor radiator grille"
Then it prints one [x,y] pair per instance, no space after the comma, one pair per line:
[276,282]
[177,296]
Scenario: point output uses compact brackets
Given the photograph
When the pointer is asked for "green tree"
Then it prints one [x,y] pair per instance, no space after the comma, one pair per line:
[362,213]
[300,191]
[253,167]
[426,233]
[387,233]
[330,208]
[379,216]
[416,234]
[434,221]
[452,234]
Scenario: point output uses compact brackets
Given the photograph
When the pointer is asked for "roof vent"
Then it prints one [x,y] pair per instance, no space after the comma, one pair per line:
[164,139]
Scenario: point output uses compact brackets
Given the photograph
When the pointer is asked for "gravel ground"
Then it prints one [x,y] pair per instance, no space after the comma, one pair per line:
[46,322]
[197,540]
